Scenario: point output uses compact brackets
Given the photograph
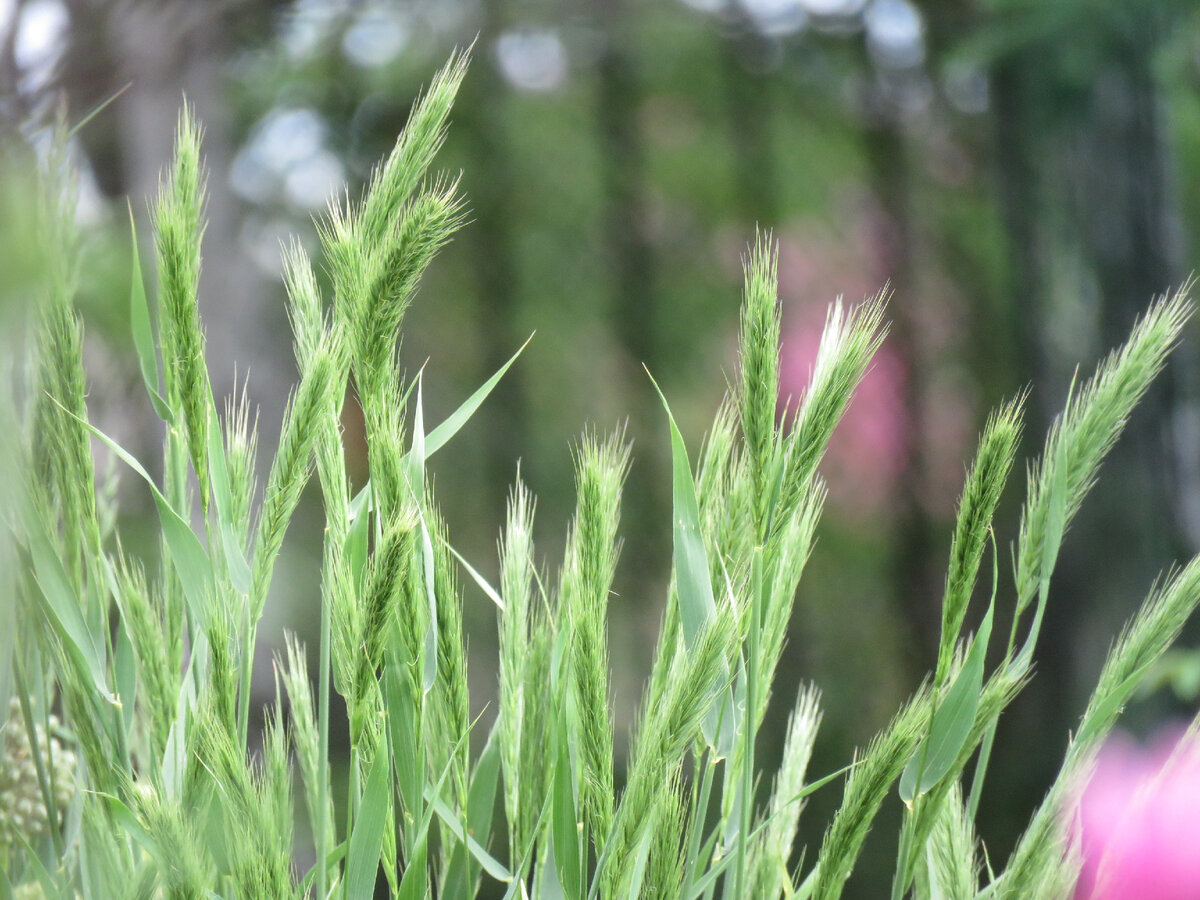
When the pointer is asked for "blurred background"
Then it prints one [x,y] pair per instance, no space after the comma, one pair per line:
[1024,175]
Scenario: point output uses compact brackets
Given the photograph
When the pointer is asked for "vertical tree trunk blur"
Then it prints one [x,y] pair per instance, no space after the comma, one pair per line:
[618,103]
[1016,186]
[1127,222]
[913,573]
[747,101]
[630,258]
[169,53]
[480,118]
[1081,160]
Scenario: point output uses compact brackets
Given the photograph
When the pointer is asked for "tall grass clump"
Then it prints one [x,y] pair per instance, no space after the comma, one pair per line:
[129,769]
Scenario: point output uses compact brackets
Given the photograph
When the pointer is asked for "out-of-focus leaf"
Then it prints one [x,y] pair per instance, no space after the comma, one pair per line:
[366,840]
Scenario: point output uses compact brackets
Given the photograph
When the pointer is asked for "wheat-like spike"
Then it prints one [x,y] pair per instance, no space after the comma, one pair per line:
[178,229]
[587,578]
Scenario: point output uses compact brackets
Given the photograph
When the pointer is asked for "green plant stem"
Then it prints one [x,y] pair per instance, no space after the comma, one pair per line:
[117,711]
[699,814]
[989,736]
[751,720]
[323,675]
[905,866]
[247,668]
[981,765]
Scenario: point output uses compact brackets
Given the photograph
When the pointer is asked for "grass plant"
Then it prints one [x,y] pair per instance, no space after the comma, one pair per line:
[129,770]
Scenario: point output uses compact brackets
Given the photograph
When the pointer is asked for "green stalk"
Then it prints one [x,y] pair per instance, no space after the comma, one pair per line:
[699,814]
[981,764]
[989,737]
[903,875]
[747,810]
[352,802]
[244,688]
[323,732]
[905,864]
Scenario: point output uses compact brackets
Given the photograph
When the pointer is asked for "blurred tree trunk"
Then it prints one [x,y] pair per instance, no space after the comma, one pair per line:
[618,103]
[635,312]
[480,118]
[1126,216]
[748,106]
[1082,163]
[168,53]
[1089,229]
[1016,185]
[913,572]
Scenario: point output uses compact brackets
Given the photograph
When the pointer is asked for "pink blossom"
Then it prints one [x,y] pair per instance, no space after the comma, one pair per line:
[1139,823]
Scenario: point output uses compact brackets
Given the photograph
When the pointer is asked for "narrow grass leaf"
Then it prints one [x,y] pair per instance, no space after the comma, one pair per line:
[45,879]
[131,824]
[564,822]
[694,856]
[143,331]
[951,723]
[415,461]
[481,799]
[358,534]
[414,883]
[706,883]
[431,627]
[407,748]
[97,109]
[125,672]
[490,864]
[366,840]
[637,870]
[696,604]
[1100,718]
[1056,521]
[64,607]
[546,884]
[218,472]
[438,438]
[481,802]
[414,471]
[491,592]
[174,752]
[187,555]
[692,582]
[517,885]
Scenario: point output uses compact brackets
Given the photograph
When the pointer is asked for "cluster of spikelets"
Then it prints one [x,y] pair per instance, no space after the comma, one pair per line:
[23,813]
[178,805]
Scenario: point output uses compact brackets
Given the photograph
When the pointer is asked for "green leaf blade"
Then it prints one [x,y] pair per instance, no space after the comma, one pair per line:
[951,723]
[366,840]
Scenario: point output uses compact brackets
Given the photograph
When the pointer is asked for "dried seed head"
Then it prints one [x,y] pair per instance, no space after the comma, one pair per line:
[22,807]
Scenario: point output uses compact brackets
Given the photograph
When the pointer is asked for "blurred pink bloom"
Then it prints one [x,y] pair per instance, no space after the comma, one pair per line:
[1139,823]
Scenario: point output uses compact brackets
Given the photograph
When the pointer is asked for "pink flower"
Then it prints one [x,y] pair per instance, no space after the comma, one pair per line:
[1139,823]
